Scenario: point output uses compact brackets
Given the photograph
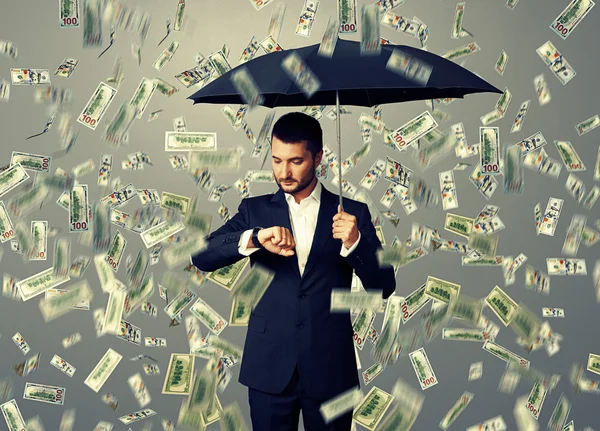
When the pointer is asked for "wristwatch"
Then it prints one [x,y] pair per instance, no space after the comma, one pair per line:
[255,240]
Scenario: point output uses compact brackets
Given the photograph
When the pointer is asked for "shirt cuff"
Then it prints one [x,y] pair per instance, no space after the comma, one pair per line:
[346,251]
[243,244]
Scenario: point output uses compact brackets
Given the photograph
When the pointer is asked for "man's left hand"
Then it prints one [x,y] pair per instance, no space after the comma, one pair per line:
[345,228]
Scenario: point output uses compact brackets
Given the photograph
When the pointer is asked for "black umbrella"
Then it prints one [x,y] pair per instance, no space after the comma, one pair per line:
[348,78]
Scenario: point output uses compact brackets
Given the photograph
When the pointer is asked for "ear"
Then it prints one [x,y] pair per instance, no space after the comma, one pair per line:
[318,157]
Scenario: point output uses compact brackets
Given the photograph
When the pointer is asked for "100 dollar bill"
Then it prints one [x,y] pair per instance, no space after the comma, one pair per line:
[7,230]
[39,283]
[12,416]
[97,106]
[190,141]
[347,16]
[160,232]
[39,231]
[342,299]
[52,307]
[490,150]
[413,130]
[11,178]
[44,393]
[502,305]
[34,162]
[78,209]
[372,408]
[570,17]
[207,315]
[102,371]
[456,410]
[178,378]
[69,13]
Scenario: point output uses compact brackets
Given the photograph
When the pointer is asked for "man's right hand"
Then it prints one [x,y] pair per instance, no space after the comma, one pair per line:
[277,240]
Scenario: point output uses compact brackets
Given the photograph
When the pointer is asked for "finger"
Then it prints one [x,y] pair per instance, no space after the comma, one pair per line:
[276,236]
[283,241]
[346,216]
[291,240]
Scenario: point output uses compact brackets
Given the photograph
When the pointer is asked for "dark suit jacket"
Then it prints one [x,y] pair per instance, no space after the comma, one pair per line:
[292,323]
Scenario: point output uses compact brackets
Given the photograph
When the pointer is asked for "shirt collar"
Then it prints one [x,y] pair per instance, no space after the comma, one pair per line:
[316,195]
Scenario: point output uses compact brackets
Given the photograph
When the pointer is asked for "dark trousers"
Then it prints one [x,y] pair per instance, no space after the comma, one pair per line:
[281,412]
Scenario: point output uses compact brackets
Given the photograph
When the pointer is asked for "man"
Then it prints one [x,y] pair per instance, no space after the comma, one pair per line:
[298,354]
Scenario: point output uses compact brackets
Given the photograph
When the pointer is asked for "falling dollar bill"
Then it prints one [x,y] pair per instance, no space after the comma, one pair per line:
[207,315]
[550,216]
[347,15]
[490,150]
[448,188]
[556,62]
[295,67]
[574,234]
[413,130]
[30,77]
[245,84]
[330,37]
[513,171]
[190,141]
[142,95]
[92,28]
[458,407]
[562,266]
[560,414]
[179,15]
[102,371]
[97,106]
[370,43]
[571,16]
[588,125]
[12,416]
[39,231]
[178,378]
[518,123]
[542,90]
[116,251]
[372,408]
[307,18]
[259,4]
[423,369]
[501,62]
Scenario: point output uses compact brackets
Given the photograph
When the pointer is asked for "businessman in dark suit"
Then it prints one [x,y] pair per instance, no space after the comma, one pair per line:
[298,354]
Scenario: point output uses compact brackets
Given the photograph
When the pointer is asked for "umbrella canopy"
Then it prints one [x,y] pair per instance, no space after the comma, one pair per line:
[358,80]
[347,78]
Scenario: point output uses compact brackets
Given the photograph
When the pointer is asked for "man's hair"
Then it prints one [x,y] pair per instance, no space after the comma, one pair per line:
[296,127]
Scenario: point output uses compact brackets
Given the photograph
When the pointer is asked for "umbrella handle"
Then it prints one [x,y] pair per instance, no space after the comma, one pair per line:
[339,139]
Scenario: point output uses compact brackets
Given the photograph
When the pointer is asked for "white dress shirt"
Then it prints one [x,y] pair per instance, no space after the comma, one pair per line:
[303,217]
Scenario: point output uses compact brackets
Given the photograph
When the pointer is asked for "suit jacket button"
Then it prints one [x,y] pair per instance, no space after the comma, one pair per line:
[299,325]
[301,295]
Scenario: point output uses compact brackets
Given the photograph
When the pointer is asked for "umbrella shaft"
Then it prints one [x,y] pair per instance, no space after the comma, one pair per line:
[339,139]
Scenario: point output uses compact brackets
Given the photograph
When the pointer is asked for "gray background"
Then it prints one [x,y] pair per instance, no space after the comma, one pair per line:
[33,26]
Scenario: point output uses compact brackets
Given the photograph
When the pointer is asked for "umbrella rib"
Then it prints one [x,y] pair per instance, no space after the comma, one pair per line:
[275,101]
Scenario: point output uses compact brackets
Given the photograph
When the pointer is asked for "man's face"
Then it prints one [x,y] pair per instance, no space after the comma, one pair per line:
[293,165]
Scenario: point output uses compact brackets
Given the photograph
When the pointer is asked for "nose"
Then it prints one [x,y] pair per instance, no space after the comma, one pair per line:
[286,172]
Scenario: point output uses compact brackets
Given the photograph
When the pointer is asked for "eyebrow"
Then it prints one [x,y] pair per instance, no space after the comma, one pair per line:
[293,158]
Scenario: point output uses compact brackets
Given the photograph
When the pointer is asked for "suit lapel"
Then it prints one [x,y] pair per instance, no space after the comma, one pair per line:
[327,209]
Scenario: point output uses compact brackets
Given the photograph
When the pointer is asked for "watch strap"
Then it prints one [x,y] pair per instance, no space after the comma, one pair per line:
[255,240]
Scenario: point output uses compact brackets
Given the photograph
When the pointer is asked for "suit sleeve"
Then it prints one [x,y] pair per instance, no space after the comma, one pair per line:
[364,259]
[222,248]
